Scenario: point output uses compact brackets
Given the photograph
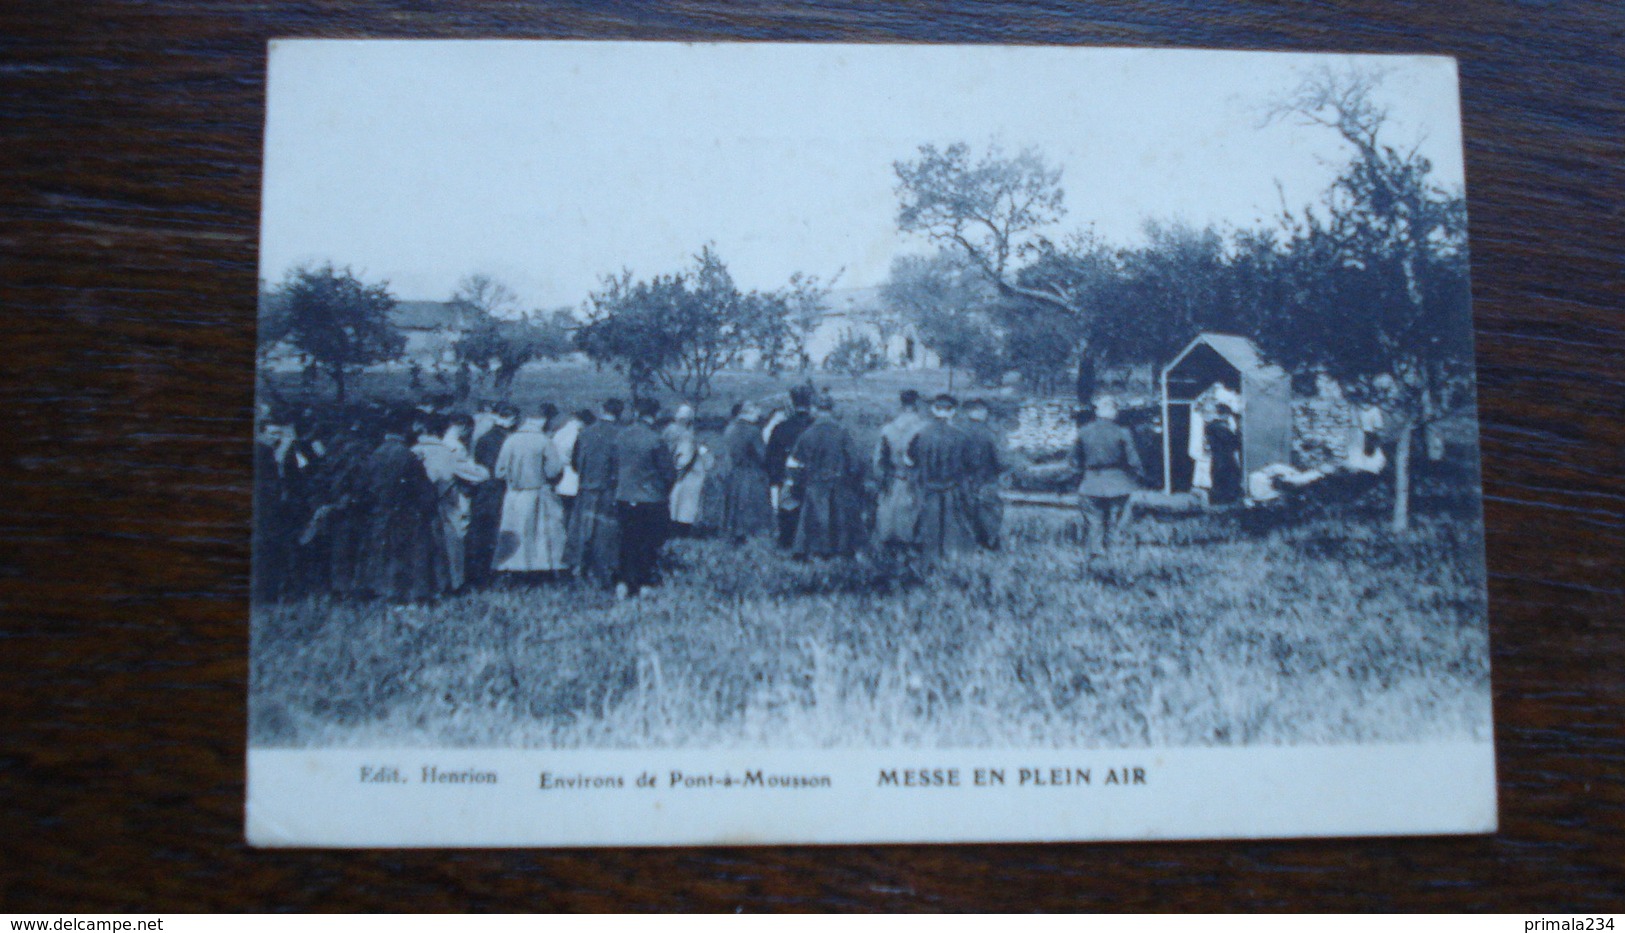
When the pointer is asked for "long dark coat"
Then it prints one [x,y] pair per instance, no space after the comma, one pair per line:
[485,506]
[828,473]
[984,466]
[943,523]
[782,441]
[346,490]
[1225,446]
[744,503]
[592,546]
[399,558]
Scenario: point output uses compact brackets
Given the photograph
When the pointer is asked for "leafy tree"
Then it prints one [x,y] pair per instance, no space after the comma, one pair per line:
[337,321]
[992,211]
[494,328]
[628,328]
[781,323]
[273,321]
[680,330]
[502,346]
[706,326]
[676,330]
[855,354]
[1379,295]
[950,305]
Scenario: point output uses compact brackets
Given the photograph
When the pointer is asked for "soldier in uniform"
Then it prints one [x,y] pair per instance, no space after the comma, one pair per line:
[780,442]
[827,471]
[485,506]
[644,474]
[942,522]
[984,469]
[1106,457]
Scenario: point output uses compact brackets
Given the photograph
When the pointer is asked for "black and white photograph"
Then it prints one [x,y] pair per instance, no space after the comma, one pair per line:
[682,443]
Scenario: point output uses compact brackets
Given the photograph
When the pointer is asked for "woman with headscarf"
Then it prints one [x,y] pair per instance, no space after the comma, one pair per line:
[685,493]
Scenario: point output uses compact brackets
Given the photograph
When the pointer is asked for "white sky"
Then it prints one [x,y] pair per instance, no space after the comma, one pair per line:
[548,164]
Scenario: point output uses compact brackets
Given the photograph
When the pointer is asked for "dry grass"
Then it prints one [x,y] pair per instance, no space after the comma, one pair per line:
[1320,630]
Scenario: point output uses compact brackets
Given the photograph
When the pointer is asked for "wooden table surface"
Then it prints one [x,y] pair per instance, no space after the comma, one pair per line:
[129,186]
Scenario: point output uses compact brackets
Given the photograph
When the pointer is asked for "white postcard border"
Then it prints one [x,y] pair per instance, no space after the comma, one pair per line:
[495,797]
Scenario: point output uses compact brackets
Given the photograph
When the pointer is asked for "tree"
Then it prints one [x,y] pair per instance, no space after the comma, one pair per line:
[338,322]
[855,354]
[1163,293]
[626,330]
[992,211]
[677,330]
[485,295]
[781,323]
[494,327]
[501,347]
[706,327]
[273,321]
[949,303]
[887,322]
[1380,296]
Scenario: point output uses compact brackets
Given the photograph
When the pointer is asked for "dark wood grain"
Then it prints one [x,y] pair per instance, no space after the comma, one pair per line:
[129,183]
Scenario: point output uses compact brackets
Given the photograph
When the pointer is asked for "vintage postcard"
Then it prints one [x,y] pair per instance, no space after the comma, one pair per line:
[667,444]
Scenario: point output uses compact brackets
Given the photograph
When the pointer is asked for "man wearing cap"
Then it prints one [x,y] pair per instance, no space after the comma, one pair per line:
[942,524]
[592,547]
[485,506]
[780,443]
[827,471]
[645,472]
[1105,455]
[984,469]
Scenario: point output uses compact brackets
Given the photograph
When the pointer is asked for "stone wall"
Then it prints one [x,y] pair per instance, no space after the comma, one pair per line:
[1323,425]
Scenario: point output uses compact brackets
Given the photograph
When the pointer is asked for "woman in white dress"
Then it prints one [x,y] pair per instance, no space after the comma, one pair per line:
[530,538]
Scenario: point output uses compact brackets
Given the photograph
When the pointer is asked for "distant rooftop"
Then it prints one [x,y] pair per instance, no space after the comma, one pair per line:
[429,315]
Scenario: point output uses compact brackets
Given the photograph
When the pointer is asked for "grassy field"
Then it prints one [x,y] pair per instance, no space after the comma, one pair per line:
[1324,629]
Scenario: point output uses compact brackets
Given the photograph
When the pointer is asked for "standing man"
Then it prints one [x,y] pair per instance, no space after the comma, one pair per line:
[485,509]
[1106,457]
[744,504]
[895,508]
[780,443]
[827,470]
[645,472]
[593,545]
[943,523]
[399,513]
[984,469]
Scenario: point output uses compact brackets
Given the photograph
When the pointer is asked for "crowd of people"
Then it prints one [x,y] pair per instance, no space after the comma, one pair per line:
[417,503]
